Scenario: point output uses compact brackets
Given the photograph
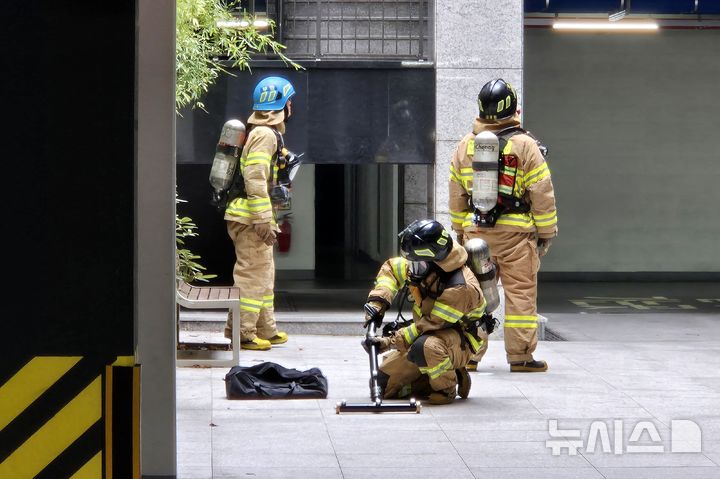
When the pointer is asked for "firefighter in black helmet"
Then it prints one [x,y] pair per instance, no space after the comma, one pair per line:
[522,224]
[431,352]
[497,100]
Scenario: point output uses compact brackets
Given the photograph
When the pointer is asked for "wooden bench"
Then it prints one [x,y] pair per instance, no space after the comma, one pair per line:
[212,297]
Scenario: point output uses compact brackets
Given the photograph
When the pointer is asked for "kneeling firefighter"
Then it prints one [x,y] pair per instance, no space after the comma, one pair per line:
[431,351]
[258,187]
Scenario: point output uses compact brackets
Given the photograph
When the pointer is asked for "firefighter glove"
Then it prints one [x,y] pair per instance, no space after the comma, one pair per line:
[374,311]
[265,233]
[382,344]
[543,245]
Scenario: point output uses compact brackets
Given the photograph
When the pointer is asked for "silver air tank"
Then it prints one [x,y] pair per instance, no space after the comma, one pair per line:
[227,153]
[485,171]
[484,269]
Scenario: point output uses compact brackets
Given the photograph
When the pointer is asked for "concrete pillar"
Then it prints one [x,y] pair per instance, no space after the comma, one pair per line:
[475,41]
[154,236]
[418,193]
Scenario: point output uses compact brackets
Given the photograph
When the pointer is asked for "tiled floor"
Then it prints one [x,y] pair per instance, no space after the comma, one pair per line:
[618,375]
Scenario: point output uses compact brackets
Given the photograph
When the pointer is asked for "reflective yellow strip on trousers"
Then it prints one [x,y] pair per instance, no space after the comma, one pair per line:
[251,305]
[520,322]
[268,301]
[468,220]
[438,370]
[457,217]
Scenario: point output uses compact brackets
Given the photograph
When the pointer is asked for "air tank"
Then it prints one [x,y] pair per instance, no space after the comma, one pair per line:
[485,171]
[227,152]
[484,269]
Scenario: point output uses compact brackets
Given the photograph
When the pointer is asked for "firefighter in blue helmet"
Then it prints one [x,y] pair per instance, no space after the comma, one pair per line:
[250,217]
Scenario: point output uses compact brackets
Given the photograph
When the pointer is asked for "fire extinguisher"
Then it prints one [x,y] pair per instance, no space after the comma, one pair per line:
[284,237]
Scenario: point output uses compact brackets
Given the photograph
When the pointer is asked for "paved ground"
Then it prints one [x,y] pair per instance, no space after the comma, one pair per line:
[621,379]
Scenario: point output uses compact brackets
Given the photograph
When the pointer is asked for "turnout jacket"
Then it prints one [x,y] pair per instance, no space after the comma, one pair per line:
[533,183]
[435,307]
[259,169]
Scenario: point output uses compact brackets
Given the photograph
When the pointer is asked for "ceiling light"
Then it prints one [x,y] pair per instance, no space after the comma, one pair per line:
[261,23]
[604,26]
[233,24]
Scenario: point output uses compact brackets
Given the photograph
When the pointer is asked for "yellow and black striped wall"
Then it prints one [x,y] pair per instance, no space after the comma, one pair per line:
[69,385]
[71,417]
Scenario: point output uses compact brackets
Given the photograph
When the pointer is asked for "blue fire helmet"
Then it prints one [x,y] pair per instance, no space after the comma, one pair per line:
[272,94]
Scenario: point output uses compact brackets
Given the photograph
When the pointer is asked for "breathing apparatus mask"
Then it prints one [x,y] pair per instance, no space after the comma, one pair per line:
[422,243]
[288,164]
[418,270]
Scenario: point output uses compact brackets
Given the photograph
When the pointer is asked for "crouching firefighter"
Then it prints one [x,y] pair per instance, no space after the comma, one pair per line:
[260,184]
[431,351]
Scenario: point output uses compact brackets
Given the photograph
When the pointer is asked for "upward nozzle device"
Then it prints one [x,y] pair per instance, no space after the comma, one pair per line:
[376,405]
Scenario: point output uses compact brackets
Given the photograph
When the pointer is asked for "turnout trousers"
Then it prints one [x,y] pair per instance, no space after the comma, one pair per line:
[254,275]
[516,255]
[429,365]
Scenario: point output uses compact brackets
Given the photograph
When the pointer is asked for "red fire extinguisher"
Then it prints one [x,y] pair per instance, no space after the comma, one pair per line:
[284,237]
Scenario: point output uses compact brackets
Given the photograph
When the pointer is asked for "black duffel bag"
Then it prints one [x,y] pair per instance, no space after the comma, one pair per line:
[272,381]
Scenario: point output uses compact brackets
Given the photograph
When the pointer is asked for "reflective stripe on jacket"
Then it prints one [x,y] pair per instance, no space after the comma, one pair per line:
[533,183]
[257,165]
[451,306]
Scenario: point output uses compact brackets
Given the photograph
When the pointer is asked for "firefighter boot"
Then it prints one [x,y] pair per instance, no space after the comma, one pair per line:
[533,366]
[463,379]
[279,338]
[446,396]
[256,344]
